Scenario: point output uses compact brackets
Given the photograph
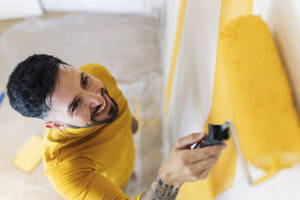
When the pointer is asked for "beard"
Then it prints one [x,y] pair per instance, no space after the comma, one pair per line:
[112,114]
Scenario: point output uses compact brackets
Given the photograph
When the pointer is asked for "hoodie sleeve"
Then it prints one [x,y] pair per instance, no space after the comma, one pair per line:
[79,179]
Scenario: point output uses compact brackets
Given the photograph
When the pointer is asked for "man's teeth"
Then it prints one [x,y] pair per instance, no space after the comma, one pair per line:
[104,105]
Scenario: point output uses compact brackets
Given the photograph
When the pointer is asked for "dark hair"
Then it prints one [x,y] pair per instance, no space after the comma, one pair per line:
[31,82]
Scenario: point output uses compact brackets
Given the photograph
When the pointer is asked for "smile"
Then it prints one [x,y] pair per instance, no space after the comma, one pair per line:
[105,108]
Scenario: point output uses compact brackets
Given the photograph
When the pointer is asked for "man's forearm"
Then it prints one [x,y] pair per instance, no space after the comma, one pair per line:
[160,191]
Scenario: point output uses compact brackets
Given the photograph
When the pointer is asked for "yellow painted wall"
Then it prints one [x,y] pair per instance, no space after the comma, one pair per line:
[223,174]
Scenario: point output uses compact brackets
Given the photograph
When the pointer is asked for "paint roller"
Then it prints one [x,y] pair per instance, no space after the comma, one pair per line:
[219,133]
[29,155]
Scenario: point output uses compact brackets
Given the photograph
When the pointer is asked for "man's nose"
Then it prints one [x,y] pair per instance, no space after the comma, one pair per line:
[94,99]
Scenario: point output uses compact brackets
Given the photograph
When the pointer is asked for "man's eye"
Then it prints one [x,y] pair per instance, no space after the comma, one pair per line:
[75,105]
[85,82]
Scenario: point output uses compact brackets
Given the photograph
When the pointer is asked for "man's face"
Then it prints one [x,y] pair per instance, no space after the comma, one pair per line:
[80,100]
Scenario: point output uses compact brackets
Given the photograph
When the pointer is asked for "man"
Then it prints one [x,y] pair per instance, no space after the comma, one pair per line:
[88,147]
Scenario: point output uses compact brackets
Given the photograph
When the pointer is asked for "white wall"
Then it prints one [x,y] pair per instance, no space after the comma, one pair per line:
[169,25]
[112,6]
[10,9]
[19,8]
[169,22]
[193,82]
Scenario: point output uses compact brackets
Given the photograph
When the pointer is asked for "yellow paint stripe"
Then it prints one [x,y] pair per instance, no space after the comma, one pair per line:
[168,90]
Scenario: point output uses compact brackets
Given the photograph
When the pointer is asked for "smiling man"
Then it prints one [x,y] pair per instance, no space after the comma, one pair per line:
[88,149]
[88,123]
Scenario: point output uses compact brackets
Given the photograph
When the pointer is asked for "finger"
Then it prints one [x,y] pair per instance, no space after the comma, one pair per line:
[195,155]
[202,174]
[189,140]
[205,173]
[201,170]
[205,164]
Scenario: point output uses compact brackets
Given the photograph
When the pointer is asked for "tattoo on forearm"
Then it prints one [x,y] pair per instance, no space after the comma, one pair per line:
[160,191]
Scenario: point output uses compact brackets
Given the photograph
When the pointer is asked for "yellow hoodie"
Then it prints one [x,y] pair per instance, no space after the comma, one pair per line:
[92,163]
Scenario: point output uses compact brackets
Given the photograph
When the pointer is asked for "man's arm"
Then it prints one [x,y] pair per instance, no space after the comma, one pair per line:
[183,165]
[159,190]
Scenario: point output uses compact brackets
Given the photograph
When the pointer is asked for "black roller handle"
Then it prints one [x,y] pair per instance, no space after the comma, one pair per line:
[216,135]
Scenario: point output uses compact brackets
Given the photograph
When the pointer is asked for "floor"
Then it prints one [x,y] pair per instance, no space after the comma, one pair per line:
[127,45]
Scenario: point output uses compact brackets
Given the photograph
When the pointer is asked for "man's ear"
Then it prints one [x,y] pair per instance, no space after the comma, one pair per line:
[56,125]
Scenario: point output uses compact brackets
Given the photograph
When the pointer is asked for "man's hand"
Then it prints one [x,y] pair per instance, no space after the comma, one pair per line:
[183,165]
[134,125]
[186,165]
